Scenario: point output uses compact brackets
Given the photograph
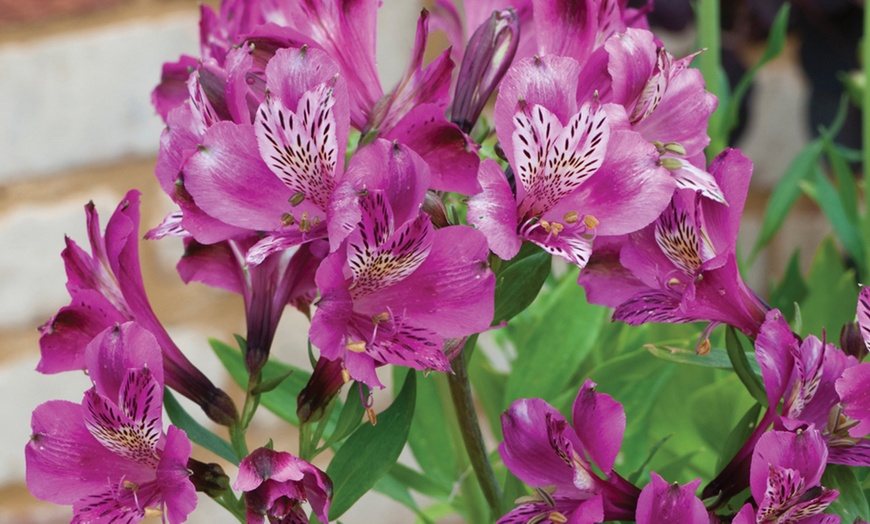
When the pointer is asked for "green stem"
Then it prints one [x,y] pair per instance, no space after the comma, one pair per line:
[305,446]
[460,392]
[238,430]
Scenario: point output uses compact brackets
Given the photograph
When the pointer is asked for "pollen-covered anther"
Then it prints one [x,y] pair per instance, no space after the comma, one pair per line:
[380,318]
[129,485]
[675,148]
[345,376]
[372,416]
[671,164]
[305,223]
[674,281]
[153,512]
[571,217]
[545,225]
[296,199]
[703,347]
[287,219]
[590,222]
[556,228]
[356,347]
[557,517]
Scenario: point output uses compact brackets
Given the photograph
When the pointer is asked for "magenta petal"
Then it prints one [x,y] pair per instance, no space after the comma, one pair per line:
[263,464]
[229,180]
[334,309]
[548,81]
[632,59]
[493,211]
[452,292]
[732,172]
[804,452]
[216,265]
[451,156]
[628,192]
[854,455]
[660,501]
[64,462]
[173,478]
[854,390]
[864,315]
[774,356]
[566,27]
[527,451]
[117,349]
[599,422]
[63,339]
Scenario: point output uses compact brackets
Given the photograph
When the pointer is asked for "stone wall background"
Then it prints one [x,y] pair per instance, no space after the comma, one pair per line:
[76,125]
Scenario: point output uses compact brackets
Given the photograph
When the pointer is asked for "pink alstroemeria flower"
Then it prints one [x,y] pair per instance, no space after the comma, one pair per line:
[579,168]
[786,473]
[660,501]
[396,288]
[276,484]
[682,267]
[560,461]
[108,457]
[106,288]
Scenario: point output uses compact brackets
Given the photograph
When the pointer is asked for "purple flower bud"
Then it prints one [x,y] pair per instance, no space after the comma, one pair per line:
[488,55]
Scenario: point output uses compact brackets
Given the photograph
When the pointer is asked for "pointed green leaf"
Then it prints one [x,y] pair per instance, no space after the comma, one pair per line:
[791,290]
[195,431]
[851,503]
[786,193]
[833,294]
[825,195]
[349,418]
[519,281]
[715,358]
[739,435]
[741,366]
[552,342]
[370,452]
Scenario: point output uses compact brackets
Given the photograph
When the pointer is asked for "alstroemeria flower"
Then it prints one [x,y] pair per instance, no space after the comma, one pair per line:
[108,457]
[660,501]
[786,473]
[276,484]
[560,461]
[679,268]
[581,171]
[808,376]
[397,287]
[106,288]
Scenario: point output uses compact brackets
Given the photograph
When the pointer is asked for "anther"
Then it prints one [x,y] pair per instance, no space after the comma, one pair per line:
[356,347]
[671,164]
[130,485]
[287,219]
[380,318]
[571,217]
[153,512]
[675,148]
[373,417]
[345,376]
[557,518]
[297,198]
[590,222]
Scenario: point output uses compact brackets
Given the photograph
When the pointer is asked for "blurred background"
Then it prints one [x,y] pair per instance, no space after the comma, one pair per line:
[76,124]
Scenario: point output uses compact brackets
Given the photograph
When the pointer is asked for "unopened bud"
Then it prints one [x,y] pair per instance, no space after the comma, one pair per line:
[852,342]
[488,56]
[208,478]
[434,207]
[325,383]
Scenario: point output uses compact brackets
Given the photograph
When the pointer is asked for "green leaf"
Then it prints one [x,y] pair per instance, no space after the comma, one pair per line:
[268,385]
[419,482]
[715,358]
[786,193]
[635,475]
[851,503]
[195,431]
[434,439]
[518,283]
[552,342]
[791,290]
[370,452]
[833,294]
[825,195]
[282,400]
[845,177]
[349,418]
[398,491]
[739,435]
[741,366]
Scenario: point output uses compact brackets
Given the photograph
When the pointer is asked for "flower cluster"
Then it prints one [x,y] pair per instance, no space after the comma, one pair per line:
[300,181]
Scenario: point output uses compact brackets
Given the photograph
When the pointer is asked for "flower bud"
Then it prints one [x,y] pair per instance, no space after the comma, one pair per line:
[208,478]
[322,387]
[488,56]
[852,342]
